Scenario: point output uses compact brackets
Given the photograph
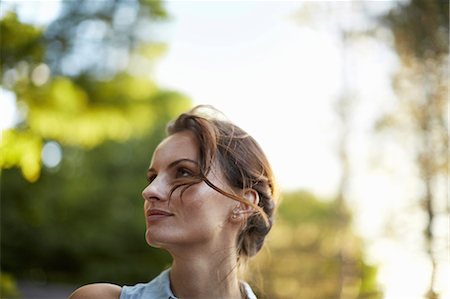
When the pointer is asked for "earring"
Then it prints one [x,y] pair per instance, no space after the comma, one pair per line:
[235,213]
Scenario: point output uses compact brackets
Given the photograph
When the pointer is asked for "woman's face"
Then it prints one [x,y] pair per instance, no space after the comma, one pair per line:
[201,216]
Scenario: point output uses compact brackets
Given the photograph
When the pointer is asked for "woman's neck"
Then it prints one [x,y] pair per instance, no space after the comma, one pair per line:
[205,276]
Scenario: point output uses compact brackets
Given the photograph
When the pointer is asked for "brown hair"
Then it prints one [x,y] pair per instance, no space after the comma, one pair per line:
[243,164]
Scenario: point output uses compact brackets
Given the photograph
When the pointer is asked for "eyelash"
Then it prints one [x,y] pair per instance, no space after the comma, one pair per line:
[151,178]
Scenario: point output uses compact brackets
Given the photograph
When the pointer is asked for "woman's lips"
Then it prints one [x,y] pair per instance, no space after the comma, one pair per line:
[155,215]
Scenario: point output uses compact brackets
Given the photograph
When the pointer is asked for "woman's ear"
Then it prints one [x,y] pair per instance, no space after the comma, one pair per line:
[252,196]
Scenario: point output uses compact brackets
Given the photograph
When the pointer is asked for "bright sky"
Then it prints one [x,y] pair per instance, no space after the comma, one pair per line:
[279,80]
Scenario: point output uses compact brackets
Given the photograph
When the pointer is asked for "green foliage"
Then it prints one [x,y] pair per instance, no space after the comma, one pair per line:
[81,221]
[309,250]
[84,221]
[95,37]
[80,103]
[19,42]
[295,213]
[8,287]
[23,149]
[156,8]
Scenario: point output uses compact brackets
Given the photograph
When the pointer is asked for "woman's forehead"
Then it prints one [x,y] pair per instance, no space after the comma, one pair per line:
[177,145]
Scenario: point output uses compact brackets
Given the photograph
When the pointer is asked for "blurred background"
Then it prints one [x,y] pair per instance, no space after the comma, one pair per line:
[349,99]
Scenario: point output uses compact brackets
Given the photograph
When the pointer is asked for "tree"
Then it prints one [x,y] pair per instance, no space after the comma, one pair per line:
[67,83]
[80,221]
[421,30]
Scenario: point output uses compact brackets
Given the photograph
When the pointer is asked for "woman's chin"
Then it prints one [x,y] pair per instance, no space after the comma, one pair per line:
[153,240]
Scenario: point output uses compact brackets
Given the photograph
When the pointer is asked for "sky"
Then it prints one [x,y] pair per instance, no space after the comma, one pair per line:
[279,77]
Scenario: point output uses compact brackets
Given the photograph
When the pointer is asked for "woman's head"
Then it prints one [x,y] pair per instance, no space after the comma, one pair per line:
[244,167]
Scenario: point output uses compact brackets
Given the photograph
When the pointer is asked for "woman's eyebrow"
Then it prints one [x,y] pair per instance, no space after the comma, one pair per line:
[173,164]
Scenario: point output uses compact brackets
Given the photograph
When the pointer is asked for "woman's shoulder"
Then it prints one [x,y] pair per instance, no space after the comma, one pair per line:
[97,291]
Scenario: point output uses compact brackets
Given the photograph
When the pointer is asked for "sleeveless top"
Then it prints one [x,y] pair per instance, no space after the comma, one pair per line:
[159,288]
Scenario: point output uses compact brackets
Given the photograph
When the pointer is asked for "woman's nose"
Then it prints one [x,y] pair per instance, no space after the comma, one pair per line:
[156,190]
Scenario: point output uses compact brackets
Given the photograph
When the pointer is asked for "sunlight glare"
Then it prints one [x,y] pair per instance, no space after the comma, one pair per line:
[8,110]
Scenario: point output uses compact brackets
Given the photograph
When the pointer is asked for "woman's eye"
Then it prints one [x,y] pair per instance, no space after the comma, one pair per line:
[183,172]
[150,178]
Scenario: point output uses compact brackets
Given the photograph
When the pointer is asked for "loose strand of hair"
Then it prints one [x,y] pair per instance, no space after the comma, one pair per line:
[240,199]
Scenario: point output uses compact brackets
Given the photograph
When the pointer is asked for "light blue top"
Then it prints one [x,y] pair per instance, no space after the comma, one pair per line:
[159,288]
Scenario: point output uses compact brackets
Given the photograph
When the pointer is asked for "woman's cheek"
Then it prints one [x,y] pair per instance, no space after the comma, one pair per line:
[194,197]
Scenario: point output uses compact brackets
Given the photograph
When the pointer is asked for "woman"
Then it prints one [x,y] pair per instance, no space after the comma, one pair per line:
[210,203]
